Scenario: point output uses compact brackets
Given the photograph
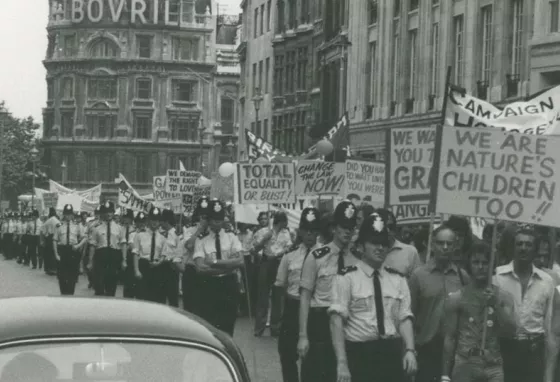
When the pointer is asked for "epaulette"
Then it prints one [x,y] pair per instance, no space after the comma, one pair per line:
[345,270]
[58,225]
[203,235]
[395,272]
[293,248]
[321,252]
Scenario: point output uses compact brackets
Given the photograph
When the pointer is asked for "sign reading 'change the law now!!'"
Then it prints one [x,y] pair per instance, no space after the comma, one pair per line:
[499,175]
[266,183]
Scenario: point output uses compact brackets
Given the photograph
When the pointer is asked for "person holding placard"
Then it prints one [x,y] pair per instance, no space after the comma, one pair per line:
[319,269]
[217,257]
[371,317]
[477,308]
[288,279]
[524,353]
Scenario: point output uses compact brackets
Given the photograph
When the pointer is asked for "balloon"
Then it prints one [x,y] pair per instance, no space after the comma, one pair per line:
[226,169]
[261,160]
[324,147]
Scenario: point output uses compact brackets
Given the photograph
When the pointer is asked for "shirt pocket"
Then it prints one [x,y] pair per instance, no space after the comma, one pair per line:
[325,276]
[361,302]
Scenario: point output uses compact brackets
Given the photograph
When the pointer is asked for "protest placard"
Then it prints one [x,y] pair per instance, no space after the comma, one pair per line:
[182,182]
[159,192]
[319,178]
[222,187]
[365,181]
[411,156]
[128,199]
[50,199]
[536,116]
[266,183]
[499,175]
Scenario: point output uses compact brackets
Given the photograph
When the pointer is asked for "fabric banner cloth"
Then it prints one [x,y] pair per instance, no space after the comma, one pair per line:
[93,194]
[129,198]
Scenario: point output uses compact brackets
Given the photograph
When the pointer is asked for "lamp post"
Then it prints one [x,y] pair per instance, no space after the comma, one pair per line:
[201,133]
[231,146]
[3,115]
[257,99]
[63,167]
[34,154]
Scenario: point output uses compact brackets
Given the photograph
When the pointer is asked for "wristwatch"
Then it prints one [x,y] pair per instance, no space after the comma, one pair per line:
[214,262]
[411,351]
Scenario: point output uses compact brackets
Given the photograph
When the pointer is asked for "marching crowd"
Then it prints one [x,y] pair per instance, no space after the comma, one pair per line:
[351,295]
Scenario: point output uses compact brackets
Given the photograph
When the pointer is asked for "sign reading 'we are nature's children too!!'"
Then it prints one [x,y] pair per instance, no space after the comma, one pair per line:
[499,175]
[266,183]
[411,156]
[319,178]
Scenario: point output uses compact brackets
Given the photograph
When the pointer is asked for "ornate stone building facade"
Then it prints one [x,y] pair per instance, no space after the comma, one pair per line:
[129,90]
[400,51]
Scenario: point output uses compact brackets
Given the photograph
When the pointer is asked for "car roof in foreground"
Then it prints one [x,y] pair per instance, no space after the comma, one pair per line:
[34,317]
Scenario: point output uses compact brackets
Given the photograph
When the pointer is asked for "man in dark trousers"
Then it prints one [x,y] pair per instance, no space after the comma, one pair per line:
[106,252]
[34,230]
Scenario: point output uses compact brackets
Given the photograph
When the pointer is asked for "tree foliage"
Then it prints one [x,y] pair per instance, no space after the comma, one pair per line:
[17,140]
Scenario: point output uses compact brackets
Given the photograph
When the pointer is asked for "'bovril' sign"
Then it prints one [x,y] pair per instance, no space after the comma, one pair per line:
[96,10]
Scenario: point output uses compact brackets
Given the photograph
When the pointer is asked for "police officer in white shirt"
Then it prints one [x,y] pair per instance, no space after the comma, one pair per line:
[217,256]
[173,254]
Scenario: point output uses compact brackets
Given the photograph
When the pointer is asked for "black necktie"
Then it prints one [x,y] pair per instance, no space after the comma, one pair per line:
[68,234]
[218,247]
[340,261]
[35,227]
[379,309]
[109,234]
[153,251]
[127,229]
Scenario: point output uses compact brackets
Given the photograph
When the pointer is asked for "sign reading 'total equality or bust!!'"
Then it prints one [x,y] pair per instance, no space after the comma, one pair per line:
[499,175]
[411,156]
[266,183]
[319,178]
[182,182]
[365,181]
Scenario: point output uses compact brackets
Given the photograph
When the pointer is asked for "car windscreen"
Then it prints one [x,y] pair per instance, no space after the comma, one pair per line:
[108,360]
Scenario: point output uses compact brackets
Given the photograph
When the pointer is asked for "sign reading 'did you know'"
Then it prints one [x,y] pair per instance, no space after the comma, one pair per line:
[266,183]
[499,175]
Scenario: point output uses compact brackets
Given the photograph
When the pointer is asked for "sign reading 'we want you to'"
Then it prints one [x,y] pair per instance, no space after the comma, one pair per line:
[499,175]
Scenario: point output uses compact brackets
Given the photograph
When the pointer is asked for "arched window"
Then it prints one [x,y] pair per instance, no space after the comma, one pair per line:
[104,48]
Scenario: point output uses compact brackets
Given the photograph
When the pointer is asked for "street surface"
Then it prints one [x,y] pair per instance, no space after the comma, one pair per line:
[17,281]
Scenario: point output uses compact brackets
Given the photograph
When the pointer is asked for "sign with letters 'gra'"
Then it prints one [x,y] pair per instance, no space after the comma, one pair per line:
[266,183]
[499,175]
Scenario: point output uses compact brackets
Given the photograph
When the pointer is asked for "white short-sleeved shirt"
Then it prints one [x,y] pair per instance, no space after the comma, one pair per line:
[229,243]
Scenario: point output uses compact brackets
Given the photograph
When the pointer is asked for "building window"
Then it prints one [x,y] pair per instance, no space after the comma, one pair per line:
[268,10]
[188,11]
[255,83]
[143,88]
[50,46]
[184,91]
[184,130]
[67,86]
[261,21]
[372,12]
[102,88]
[104,49]
[189,161]
[259,132]
[281,24]
[185,49]
[371,79]
[69,49]
[101,126]
[50,89]
[293,17]
[413,5]
[459,49]
[174,8]
[67,124]
[265,130]
[143,164]
[302,69]
[144,46]
[413,57]
[143,127]
[396,62]
[514,76]
[256,21]
[48,123]
[99,167]
[253,127]
[290,72]
[304,12]
[487,42]
[227,113]
[266,75]
[279,75]
[397,8]
[554,10]
[435,61]
[260,75]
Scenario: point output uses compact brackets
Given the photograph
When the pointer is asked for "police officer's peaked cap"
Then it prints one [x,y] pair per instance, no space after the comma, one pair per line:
[108,207]
[97,210]
[345,214]
[216,210]
[168,216]
[35,214]
[155,214]
[129,214]
[309,219]
[68,210]
[140,217]
[375,228]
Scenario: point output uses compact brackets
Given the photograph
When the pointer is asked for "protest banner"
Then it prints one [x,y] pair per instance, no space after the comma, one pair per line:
[175,205]
[182,182]
[537,116]
[93,194]
[365,181]
[159,192]
[499,175]
[50,199]
[259,147]
[266,183]
[408,173]
[222,187]
[128,198]
[319,178]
